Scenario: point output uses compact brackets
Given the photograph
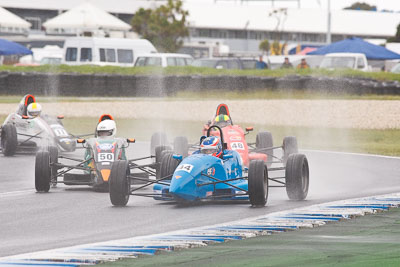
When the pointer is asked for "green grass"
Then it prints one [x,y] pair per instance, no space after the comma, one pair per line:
[90,69]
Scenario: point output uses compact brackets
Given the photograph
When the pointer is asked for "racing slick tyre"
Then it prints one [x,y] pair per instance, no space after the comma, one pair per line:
[289,147]
[297,177]
[181,146]
[9,140]
[157,139]
[168,165]
[42,171]
[258,183]
[160,151]
[119,183]
[264,140]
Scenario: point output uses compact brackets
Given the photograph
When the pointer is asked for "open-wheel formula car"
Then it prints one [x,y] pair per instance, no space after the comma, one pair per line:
[27,130]
[220,176]
[235,138]
[94,170]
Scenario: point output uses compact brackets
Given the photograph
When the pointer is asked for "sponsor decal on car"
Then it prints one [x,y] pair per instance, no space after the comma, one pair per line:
[233,132]
[235,138]
[105,146]
[211,171]
[185,167]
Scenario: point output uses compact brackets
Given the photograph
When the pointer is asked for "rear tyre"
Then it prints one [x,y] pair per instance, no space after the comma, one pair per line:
[297,177]
[160,151]
[157,139]
[289,147]
[42,171]
[181,146]
[168,165]
[9,140]
[264,140]
[258,183]
[119,183]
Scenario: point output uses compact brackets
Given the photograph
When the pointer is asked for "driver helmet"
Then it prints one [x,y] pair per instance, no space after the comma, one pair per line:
[34,109]
[106,128]
[212,146]
[222,120]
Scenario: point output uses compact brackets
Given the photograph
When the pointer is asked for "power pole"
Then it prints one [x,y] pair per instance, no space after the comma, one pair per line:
[328,31]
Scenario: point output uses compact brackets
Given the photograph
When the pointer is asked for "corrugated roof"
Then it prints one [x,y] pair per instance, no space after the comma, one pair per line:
[351,22]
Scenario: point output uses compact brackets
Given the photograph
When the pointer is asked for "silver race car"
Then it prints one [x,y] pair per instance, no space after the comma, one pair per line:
[27,130]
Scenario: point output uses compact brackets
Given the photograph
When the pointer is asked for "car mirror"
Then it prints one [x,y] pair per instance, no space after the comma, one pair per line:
[60,117]
[249,129]
[25,117]
[178,157]
[80,141]
[227,156]
[131,140]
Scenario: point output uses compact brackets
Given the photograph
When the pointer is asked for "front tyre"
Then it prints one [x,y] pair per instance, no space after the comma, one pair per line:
[119,183]
[168,166]
[42,171]
[258,183]
[9,140]
[297,177]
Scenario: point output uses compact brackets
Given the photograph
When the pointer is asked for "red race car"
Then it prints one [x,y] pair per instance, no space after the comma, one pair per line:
[262,149]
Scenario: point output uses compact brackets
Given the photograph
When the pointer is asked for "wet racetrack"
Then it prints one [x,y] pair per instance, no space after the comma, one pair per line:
[71,215]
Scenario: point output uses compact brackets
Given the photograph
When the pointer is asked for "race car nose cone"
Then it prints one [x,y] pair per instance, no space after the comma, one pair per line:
[105,174]
[183,187]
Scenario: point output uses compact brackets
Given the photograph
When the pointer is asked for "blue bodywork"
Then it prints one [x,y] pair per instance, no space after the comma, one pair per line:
[191,180]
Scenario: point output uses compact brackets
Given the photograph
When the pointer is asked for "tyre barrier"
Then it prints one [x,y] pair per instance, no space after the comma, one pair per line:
[73,84]
[273,223]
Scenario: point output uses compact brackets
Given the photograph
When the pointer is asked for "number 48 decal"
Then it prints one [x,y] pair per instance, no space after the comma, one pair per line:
[237,146]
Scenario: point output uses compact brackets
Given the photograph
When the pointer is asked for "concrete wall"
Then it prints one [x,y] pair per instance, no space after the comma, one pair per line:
[70,84]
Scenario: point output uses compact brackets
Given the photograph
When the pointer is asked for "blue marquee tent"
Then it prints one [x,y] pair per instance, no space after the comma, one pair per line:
[11,48]
[357,45]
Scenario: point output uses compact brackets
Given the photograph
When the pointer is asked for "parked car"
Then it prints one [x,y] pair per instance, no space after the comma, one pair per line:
[104,51]
[356,61]
[223,63]
[396,68]
[163,60]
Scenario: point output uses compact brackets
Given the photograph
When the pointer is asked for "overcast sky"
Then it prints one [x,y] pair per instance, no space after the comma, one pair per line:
[335,4]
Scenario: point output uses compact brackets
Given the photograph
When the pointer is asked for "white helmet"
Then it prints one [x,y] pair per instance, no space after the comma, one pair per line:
[106,128]
[34,109]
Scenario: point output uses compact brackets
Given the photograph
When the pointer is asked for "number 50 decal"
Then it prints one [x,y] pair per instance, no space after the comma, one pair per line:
[105,157]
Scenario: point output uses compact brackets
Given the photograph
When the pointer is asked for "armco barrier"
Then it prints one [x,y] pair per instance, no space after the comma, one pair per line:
[73,84]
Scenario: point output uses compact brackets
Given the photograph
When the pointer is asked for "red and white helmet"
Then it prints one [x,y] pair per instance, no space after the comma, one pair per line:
[211,146]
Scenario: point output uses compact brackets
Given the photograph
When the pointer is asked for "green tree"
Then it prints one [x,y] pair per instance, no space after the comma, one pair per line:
[164,26]
[264,46]
[276,48]
[396,38]
[361,6]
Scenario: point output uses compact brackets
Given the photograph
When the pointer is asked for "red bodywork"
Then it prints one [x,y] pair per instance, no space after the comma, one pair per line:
[234,137]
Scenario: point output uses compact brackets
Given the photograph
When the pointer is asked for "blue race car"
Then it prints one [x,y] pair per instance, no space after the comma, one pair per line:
[217,176]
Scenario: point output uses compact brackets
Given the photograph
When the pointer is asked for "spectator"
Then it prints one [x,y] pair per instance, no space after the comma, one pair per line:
[261,64]
[303,64]
[286,64]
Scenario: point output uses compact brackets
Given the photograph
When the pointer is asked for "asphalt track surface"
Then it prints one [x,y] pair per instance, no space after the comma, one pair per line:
[73,215]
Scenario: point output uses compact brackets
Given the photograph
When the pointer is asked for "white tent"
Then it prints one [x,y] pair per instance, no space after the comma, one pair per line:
[85,17]
[10,22]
